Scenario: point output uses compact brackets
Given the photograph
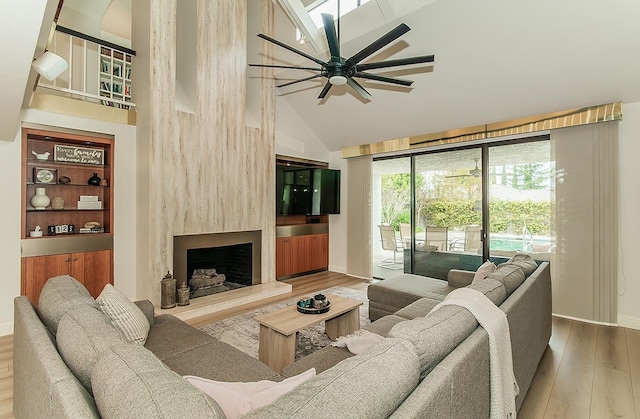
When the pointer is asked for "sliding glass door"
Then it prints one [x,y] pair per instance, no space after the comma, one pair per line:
[521,194]
[391,217]
[451,209]
[448,212]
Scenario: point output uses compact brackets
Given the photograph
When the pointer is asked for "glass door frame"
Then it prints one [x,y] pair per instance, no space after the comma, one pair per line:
[484,149]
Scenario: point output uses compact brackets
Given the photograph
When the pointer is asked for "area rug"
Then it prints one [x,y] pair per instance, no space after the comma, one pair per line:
[242,331]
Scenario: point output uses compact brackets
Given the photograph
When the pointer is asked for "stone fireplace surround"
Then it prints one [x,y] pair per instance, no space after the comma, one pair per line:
[264,286]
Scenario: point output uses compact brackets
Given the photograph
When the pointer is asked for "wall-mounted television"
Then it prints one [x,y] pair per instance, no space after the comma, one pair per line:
[307,191]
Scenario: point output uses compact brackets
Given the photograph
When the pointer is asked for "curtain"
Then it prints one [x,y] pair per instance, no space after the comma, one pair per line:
[359,216]
[584,266]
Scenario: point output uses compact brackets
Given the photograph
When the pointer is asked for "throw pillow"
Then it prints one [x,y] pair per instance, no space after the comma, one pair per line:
[124,314]
[484,270]
[236,399]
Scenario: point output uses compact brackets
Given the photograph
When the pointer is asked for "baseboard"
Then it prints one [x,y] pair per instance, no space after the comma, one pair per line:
[338,269]
[630,322]
[578,319]
[6,329]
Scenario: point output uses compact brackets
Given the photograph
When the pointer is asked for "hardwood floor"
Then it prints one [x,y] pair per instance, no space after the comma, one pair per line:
[587,371]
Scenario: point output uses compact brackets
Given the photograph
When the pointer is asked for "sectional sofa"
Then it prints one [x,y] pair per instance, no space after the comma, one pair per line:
[433,366]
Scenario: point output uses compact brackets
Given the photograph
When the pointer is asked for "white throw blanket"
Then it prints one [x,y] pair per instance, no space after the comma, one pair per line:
[357,342]
[504,387]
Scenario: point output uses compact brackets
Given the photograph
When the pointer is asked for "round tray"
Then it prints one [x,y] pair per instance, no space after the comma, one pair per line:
[309,310]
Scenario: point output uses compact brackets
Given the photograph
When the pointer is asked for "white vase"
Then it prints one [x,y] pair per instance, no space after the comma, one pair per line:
[40,200]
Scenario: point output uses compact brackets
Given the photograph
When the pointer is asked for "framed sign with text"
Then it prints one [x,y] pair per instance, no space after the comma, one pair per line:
[80,155]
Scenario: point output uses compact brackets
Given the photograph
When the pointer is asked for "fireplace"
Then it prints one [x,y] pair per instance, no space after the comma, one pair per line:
[217,262]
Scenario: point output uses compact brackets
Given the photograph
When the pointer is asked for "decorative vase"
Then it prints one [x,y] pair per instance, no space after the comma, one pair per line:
[168,291]
[40,200]
[94,180]
[57,203]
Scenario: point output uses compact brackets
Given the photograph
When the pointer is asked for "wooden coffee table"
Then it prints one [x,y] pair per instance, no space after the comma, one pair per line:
[278,329]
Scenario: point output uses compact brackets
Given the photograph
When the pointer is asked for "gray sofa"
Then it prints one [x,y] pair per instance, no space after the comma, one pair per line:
[434,366]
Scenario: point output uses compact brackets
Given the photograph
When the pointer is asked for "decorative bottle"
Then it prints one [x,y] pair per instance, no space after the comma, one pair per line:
[94,180]
[40,200]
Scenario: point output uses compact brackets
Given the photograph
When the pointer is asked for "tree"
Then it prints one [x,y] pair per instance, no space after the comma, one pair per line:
[396,196]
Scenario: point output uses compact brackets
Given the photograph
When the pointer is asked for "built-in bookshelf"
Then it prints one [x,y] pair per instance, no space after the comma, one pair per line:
[115,77]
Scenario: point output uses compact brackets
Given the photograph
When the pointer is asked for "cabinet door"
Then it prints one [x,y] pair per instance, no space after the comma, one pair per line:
[93,269]
[318,247]
[284,257]
[302,258]
[37,269]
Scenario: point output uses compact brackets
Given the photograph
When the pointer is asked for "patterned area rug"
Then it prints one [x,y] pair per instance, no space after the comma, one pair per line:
[242,331]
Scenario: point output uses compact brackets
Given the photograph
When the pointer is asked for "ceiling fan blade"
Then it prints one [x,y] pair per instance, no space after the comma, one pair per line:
[359,89]
[325,90]
[298,81]
[297,51]
[286,66]
[383,78]
[381,42]
[332,38]
[395,63]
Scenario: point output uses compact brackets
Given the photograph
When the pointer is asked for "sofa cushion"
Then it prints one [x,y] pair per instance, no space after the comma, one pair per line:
[436,335]
[83,334]
[124,314]
[60,294]
[419,308]
[492,289]
[353,387]
[524,261]
[511,276]
[130,382]
[402,290]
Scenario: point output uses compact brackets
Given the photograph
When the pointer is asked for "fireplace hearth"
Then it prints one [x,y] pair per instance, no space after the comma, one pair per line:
[217,262]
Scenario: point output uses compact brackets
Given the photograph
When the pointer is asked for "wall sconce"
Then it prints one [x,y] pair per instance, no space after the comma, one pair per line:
[49,65]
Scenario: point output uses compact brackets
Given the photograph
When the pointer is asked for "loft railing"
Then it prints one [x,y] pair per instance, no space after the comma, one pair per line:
[98,72]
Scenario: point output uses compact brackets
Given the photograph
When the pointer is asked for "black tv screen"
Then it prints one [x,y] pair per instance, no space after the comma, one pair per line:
[302,191]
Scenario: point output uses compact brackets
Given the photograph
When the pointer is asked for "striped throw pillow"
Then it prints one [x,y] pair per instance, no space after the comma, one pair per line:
[124,314]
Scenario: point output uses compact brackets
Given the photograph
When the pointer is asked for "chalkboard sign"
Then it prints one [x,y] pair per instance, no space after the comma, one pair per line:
[80,155]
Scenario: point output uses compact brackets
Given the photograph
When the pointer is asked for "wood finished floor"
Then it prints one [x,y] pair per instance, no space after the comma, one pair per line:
[587,371]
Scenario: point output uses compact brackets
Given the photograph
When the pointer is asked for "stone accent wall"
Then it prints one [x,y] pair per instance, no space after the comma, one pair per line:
[202,172]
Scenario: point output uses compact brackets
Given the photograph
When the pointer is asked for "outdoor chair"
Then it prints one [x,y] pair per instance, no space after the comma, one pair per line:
[390,242]
[472,241]
[437,236]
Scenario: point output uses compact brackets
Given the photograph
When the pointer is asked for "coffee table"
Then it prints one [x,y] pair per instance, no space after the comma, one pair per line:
[278,329]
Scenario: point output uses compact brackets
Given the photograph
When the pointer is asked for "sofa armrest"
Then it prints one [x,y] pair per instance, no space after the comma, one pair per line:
[458,278]
[147,308]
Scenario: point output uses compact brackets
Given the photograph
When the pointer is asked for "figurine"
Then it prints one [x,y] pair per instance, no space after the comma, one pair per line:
[42,156]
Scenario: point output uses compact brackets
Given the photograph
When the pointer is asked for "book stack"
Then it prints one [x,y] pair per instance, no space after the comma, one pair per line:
[89,202]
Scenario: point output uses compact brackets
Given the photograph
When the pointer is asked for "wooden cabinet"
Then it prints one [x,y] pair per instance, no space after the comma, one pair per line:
[76,227]
[296,255]
[93,269]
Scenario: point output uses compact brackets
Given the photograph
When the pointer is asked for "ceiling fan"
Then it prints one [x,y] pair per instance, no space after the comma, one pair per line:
[340,71]
[475,172]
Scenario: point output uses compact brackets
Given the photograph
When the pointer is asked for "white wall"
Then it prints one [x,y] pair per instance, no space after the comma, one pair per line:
[629,235]
[338,222]
[124,200]
[293,136]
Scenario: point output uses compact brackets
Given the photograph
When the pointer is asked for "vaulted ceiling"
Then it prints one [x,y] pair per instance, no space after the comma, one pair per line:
[495,60]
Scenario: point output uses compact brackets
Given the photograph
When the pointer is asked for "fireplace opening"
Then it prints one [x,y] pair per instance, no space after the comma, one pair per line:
[217,269]
[215,262]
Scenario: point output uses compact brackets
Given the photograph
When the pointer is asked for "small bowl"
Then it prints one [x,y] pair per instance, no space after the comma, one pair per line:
[35,233]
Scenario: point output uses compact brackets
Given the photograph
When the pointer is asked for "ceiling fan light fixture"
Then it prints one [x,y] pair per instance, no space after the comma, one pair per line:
[338,80]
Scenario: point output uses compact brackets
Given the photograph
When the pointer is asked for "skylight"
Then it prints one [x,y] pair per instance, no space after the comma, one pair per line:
[316,8]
